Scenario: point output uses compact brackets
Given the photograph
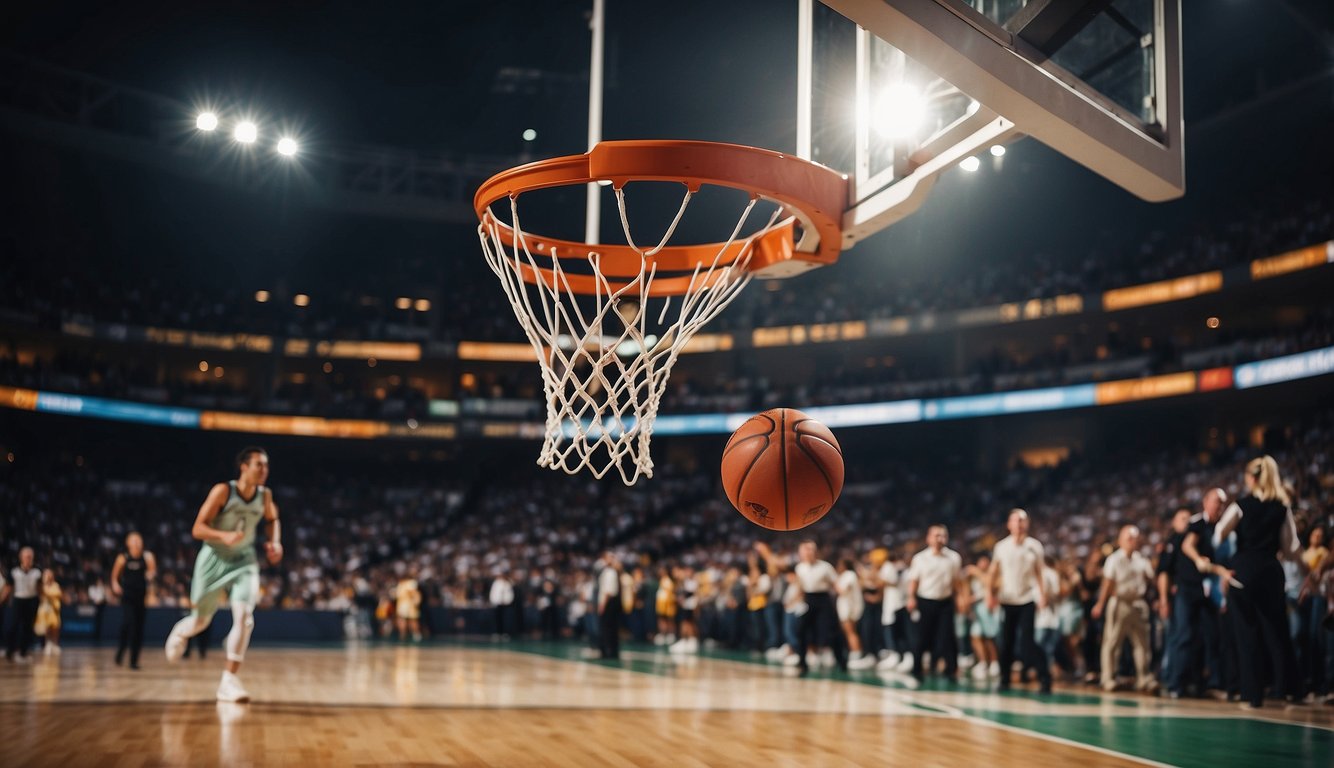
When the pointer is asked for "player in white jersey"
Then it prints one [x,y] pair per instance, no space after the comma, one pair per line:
[227,563]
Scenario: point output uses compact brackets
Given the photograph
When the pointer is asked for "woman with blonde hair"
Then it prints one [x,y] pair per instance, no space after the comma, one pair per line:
[48,613]
[1263,522]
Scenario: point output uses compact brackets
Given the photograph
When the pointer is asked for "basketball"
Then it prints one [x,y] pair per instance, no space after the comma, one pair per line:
[782,469]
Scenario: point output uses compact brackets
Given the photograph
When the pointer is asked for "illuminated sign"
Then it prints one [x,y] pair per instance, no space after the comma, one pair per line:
[1000,403]
[22,399]
[1293,261]
[1150,387]
[1162,291]
[1300,366]
[514,353]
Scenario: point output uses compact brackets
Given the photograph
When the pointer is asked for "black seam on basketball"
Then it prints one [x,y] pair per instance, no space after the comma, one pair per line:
[796,427]
[782,436]
[818,464]
[741,484]
[743,441]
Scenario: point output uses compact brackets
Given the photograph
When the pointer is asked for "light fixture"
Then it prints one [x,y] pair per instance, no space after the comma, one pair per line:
[246,132]
[217,372]
[403,302]
[287,146]
[203,366]
[261,296]
[529,134]
[899,112]
[328,367]
[1213,322]
[206,121]
[301,300]
[997,150]
[422,305]
[970,164]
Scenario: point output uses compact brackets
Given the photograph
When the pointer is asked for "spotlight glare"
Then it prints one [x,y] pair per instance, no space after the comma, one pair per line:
[899,112]
[246,132]
[287,146]
[529,134]
[970,164]
[301,300]
[207,121]
[997,150]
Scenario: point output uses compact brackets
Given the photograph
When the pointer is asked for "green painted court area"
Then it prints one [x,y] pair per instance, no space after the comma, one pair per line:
[1135,727]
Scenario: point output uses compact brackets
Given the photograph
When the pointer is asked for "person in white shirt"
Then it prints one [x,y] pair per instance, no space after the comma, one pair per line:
[933,575]
[1015,584]
[27,582]
[501,598]
[819,626]
[610,608]
[1126,576]
[887,577]
[850,605]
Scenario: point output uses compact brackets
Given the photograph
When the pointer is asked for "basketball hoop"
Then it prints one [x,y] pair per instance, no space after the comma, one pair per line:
[608,321]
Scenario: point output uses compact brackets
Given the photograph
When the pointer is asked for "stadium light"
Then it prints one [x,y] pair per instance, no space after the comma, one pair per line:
[246,132]
[422,305]
[403,302]
[203,366]
[261,296]
[287,146]
[206,121]
[899,112]
[997,150]
[301,300]
[1213,322]
[970,164]
[529,134]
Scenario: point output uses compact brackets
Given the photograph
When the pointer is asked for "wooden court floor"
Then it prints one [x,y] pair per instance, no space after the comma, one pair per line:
[534,704]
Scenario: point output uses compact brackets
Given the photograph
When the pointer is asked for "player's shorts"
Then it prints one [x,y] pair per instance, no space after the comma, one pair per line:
[666,609]
[1071,617]
[851,613]
[215,575]
[986,622]
[406,610]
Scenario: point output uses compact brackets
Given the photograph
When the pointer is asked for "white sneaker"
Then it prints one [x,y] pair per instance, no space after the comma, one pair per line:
[693,646]
[792,660]
[230,689]
[827,658]
[175,648]
[994,669]
[980,671]
[862,662]
[905,664]
[890,662]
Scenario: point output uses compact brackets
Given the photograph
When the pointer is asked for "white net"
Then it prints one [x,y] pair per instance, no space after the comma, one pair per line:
[606,353]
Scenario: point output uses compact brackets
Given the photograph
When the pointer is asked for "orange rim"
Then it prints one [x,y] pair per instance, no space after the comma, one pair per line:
[816,195]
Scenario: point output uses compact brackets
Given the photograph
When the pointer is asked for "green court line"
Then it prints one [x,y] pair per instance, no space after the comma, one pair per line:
[1190,742]
[1186,741]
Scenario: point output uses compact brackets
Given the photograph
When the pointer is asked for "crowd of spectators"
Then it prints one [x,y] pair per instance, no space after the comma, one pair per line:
[691,388]
[459,310]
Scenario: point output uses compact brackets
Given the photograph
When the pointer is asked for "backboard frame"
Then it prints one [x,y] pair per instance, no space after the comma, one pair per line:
[1019,91]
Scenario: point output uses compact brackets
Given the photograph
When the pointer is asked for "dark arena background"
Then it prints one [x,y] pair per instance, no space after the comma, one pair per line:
[240,253]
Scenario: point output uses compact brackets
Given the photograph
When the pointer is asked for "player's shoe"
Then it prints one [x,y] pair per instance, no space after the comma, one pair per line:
[980,671]
[231,690]
[175,647]
[890,662]
[865,661]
